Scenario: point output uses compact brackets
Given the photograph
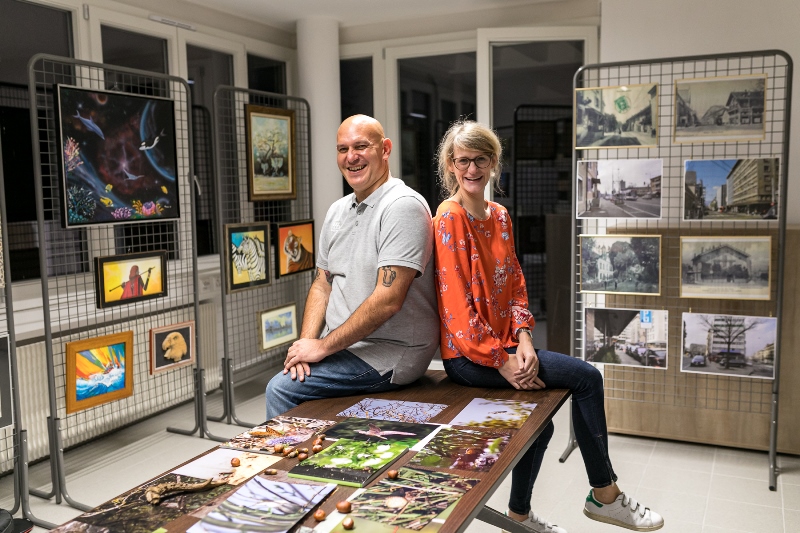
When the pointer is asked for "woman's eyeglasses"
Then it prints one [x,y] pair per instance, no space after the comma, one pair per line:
[482,161]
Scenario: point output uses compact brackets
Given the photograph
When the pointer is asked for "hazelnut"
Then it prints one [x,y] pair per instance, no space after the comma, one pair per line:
[302,450]
[270,472]
[321,436]
[287,450]
[344,506]
[278,448]
[319,515]
[347,523]
[302,456]
[392,474]
[235,462]
[317,448]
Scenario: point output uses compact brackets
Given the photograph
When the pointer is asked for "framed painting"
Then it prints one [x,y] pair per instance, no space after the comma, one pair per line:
[6,409]
[625,116]
[619,188]
[99,370]
[729,345]
[621,264]
[247,265]
[271,167]
[294,247]
[722,109]
[118,157]
[626,337]
[129,278]
[278,326]
[726,267]
[731,189]
[171,347]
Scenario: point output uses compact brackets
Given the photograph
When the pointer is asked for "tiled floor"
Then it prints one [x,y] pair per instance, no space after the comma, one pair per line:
[697,488]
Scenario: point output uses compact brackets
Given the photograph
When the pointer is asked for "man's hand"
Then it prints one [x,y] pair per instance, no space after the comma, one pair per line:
[302,352]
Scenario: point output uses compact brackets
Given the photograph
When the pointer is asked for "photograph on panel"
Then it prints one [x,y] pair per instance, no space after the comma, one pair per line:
[726,267]
[616,117]
[729,108]
[621,264]
[731,189]
[729,345]
[619,188]
[627,337]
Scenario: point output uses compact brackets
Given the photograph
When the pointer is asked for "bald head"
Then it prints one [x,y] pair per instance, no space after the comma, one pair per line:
[363,124]
[363,154]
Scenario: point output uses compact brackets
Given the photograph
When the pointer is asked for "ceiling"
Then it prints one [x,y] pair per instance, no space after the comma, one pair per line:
[284,14]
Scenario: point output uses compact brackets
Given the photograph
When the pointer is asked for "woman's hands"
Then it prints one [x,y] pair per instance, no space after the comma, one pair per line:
[522,368]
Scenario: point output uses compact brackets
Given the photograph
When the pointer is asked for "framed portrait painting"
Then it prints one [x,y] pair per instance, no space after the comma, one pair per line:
[129,278]
[278,326]
[294,247]
[6,411]
[99,370]
[621,264]
[118,157]
[271,164]
[625,116]
[247,265]
[172,347]
[726,267]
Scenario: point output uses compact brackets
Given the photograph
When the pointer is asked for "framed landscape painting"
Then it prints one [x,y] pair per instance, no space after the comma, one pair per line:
[278,326]
[726,267]
[294,248]
[722,109]
[271,164]
[247,262]
[621,264]
[171,347]
[99,370]
[129,278]
[6,411]
[118,157]
[616,117]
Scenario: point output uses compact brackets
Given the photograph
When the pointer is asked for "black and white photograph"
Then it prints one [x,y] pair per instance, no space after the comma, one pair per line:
[730,108]
[626,337]
[621,264]
[731,189]
[729,345]
[616,117]
[619,188]
[726,267]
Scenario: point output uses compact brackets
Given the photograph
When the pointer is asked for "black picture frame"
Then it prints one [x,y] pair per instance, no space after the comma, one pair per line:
[110,276]
[294,257]
[251,261]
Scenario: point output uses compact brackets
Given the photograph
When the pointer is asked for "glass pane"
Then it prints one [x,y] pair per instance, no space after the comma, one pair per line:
[434,91]
[266,74]
[134,50]
[355,86]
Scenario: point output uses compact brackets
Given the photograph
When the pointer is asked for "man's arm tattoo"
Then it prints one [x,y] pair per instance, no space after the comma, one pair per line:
[317,276]
[388,276]
[329,277]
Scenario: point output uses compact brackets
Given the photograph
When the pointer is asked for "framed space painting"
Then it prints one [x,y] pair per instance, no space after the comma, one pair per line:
[118,157]
[726,267]
[171,347]
[616,117]
[129,278]
[621,264]
[294,247]
[722,109]
[247,264]
[99,370]
[6,411]
[278,326]
[271,167]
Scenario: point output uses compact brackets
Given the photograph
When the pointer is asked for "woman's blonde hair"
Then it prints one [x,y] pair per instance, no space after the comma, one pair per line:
[473,136]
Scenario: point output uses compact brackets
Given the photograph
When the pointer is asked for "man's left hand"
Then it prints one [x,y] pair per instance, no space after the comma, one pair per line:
[302,352]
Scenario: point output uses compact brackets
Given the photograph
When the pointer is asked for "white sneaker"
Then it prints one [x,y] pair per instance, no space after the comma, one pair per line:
[539,525]
[623,512]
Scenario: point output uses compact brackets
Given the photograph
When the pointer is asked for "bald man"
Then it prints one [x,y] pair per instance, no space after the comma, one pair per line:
[371,323]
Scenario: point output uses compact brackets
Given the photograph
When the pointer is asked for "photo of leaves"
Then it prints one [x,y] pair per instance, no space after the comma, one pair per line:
[218,463]
[432,480]
[261,505]
[349,462]
[380,431]
[399,410]
[78,527]
[464,449]
[402,506]
[279,430]
[491,413]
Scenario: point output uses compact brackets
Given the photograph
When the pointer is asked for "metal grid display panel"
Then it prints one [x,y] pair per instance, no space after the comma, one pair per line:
[70,301]
[6,308]
[242,309]
[671,387]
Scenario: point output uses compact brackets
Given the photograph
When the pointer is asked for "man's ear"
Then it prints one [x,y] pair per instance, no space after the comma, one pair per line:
[387,148]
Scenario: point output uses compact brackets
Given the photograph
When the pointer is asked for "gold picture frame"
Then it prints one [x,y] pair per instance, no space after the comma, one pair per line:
[99,370]
[271,165]
[601,273]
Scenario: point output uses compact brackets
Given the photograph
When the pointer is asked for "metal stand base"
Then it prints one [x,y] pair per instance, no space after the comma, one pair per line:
[497,519]
[229,401]
[21,491]
[572,443]
[199,411]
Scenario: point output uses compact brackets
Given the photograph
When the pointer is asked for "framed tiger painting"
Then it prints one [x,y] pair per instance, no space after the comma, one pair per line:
[294,247]
[247,264]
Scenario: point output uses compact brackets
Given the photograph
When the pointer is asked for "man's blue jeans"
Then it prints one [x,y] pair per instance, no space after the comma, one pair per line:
[340,374]
[557,371]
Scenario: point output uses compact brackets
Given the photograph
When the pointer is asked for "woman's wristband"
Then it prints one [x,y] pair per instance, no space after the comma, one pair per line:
[524,330]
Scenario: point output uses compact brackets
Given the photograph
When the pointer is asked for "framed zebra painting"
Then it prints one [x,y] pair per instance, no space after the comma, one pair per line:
[247,264]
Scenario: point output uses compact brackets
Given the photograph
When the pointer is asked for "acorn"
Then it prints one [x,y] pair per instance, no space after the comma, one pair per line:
[278,448]
[347,523]
[344,507]
[317,448]
[302,456]
[392,474]
[287,450]
[292,454]
[271,472]
[321,436]
[302,450]
[319,515]
[235,462]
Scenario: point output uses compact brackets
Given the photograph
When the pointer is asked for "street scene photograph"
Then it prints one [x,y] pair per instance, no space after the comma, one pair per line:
[619,188]
[616,117]
[728,345]
[622,264]
[720,109]
[731,189]
[725,267]
[626,337]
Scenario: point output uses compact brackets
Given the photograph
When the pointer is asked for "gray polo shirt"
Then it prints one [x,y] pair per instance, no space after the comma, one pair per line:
[392,227]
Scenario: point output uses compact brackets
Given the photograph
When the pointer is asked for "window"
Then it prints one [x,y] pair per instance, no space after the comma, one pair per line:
[266,74]
[355,85]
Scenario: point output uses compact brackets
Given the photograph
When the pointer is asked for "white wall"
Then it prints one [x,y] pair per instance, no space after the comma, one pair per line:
[650,29]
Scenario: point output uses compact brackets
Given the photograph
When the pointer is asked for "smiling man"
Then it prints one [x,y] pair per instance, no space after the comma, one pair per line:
[371,322]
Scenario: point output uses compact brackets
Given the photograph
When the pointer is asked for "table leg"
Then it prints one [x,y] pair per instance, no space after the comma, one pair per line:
[497,519]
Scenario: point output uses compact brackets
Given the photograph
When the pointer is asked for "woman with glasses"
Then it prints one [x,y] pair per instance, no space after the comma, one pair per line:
[486,328]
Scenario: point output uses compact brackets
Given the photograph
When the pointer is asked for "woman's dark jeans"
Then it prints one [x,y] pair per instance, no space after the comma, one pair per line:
[557,371]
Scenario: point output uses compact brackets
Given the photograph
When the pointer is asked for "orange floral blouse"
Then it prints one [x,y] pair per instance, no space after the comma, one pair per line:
[481,289]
